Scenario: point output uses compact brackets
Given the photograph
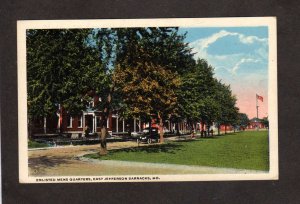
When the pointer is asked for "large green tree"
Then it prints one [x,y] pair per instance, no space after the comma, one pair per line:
[242,120]
[60,66]
[162,46]
[148,90]
[227,111]
[202,98]
[67,68]
[196,96]
[152,52]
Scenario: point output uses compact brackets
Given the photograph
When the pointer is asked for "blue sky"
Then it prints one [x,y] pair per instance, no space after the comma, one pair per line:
[240,58]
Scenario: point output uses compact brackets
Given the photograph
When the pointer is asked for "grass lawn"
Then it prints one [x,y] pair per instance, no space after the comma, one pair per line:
[33,144]
[244,150]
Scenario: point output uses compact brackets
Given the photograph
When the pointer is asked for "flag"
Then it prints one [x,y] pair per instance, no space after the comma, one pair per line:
[259,98]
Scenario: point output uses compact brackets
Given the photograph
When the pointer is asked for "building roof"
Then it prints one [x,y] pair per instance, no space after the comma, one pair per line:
[256,120]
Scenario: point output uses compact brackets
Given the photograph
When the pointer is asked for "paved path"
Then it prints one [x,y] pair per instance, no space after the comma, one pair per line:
[175,168]
[68,161]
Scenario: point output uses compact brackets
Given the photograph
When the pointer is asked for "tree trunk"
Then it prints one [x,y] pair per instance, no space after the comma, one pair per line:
[61,121]
[103,135]
[104,132]
[218,129]
[29,129]
[161,129]
[208,130]
[150,127]
[202,129]
[177,129]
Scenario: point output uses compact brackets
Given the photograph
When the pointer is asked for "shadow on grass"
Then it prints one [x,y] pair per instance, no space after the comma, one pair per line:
[224,135]
[197,139]
[188,140]
[169,148]
[210,137]
[47,162]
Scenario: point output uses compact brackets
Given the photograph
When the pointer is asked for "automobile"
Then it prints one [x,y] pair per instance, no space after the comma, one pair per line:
[136,135]
[147,138]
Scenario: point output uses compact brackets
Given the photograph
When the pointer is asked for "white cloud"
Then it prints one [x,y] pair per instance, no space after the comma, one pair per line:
[262,52]
[237,66]
[230,62]
[203,44]
[250,39]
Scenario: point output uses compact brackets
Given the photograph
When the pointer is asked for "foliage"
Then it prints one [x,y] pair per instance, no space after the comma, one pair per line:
[242,120]
[136,71]
[149,63]
[33,144]
[147,89]
[203,98]
[227,110]
[160,46]
[265,121]
[61,66]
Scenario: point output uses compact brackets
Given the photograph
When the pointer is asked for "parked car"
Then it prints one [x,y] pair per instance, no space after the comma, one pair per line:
[136,135]
[146,137]
[153,129]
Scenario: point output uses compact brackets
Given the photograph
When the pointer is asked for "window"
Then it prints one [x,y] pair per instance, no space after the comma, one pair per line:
[70,121]
[91,104]
[80,118]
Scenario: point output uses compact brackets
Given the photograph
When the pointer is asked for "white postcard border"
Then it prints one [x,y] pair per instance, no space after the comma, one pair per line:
[270,22]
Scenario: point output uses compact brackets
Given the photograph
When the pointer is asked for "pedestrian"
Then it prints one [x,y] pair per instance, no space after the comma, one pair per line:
[193,133]
[86,131]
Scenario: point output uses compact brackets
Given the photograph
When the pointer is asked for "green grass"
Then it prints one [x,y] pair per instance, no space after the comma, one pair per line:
[244,150]
[33,144]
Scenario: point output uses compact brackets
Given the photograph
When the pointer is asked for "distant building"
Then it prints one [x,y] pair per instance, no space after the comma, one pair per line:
[255,123]
[226,128]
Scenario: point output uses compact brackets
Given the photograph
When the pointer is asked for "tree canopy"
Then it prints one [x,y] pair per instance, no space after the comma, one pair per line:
[227,110]
[141,72]
[61,66]
[242,120]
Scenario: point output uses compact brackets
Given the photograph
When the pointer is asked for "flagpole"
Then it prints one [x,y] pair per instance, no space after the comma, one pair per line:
[256,108]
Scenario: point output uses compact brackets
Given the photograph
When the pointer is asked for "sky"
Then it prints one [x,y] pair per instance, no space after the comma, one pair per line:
[239,56]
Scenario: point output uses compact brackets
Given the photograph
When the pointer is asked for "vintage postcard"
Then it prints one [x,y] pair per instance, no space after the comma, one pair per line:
[147,100]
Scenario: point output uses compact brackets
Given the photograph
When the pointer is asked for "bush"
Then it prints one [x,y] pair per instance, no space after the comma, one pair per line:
[34,144]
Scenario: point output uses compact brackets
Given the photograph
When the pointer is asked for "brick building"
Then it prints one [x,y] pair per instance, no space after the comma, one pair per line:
[91,117]
[255,123]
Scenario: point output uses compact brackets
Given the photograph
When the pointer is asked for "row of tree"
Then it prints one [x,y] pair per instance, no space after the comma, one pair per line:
[139,72]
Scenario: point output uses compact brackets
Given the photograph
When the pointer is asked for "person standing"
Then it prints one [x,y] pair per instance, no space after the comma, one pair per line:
[86,131]
[193,133]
